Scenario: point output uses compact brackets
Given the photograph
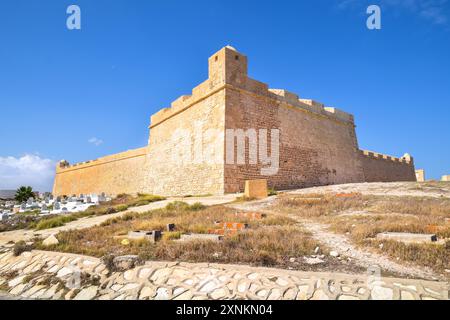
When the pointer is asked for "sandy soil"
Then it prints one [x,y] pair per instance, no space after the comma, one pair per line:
[413,189]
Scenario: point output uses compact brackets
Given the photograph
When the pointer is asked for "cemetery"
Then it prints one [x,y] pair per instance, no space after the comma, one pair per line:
[48,211]
[189,232]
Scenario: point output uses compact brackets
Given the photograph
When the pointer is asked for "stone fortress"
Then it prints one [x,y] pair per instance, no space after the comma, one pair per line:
[317,144]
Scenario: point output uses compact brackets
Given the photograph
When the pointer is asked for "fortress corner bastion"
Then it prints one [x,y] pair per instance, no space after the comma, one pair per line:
[194,145]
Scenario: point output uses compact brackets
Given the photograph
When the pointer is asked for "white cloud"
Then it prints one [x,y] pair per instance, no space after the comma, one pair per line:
[29,170]
[344,4]
[435,11]
[435,14]
[95,141]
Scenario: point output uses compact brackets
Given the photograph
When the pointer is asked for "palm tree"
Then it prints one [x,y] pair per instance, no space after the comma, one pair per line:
[24,193]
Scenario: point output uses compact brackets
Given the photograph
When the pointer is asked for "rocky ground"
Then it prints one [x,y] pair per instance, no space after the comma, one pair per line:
[49,275]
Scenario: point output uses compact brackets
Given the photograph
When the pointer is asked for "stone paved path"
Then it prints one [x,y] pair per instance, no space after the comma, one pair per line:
[50,275]
[7,296]
[17,235]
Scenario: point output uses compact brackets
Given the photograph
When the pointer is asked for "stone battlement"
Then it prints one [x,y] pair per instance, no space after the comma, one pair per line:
[375,155]
[310,105]
[241,81]
[64,166]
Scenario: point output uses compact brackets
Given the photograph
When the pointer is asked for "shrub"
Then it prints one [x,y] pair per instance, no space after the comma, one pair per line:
[109,222]
[21,247]
[150,197]
[129,216]
[54,222]
[183,206]
[121,207]
[168,236]
[144,199]
[177,205]
[140,203]
[197,206]
[265,258]
[108,261]
[244,199]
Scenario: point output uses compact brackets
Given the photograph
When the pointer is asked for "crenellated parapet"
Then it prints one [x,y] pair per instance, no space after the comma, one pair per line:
[379,167]
[64,166]
[310,105]
[228,70]
[375,155]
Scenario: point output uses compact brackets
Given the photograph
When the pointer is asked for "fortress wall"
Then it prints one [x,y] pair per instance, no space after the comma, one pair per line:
[119,173]
[317,147]
[382,168]
[186,154]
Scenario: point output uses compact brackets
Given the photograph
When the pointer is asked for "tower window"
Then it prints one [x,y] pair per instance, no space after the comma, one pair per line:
[236,57]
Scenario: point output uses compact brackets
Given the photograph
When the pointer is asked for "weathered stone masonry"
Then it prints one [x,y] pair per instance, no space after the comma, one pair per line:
[318,144]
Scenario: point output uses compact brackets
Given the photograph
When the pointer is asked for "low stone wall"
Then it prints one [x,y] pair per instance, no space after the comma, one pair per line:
[114,174]
[382,168]
[49,275]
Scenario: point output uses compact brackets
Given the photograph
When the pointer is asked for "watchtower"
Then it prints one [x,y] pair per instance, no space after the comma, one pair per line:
[227,66]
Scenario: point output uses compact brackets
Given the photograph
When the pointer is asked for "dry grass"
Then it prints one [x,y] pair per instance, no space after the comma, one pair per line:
[263,246]
[363,217]
[317,205]
[436,257]
[121,203]
[413,205]
[268,242]
[439,186]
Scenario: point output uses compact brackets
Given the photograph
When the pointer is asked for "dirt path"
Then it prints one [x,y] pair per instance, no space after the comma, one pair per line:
[342,245]
[366,259]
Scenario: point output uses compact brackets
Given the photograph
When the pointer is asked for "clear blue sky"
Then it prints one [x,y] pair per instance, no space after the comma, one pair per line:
[61,88]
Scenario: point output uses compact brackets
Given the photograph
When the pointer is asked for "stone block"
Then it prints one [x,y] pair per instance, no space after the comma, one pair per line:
[50,241]
[151,236]
[201,237]
[232,225]
[420,175]
[407,237]
[223,232]
[251,215]
[256,189]
[348,195]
